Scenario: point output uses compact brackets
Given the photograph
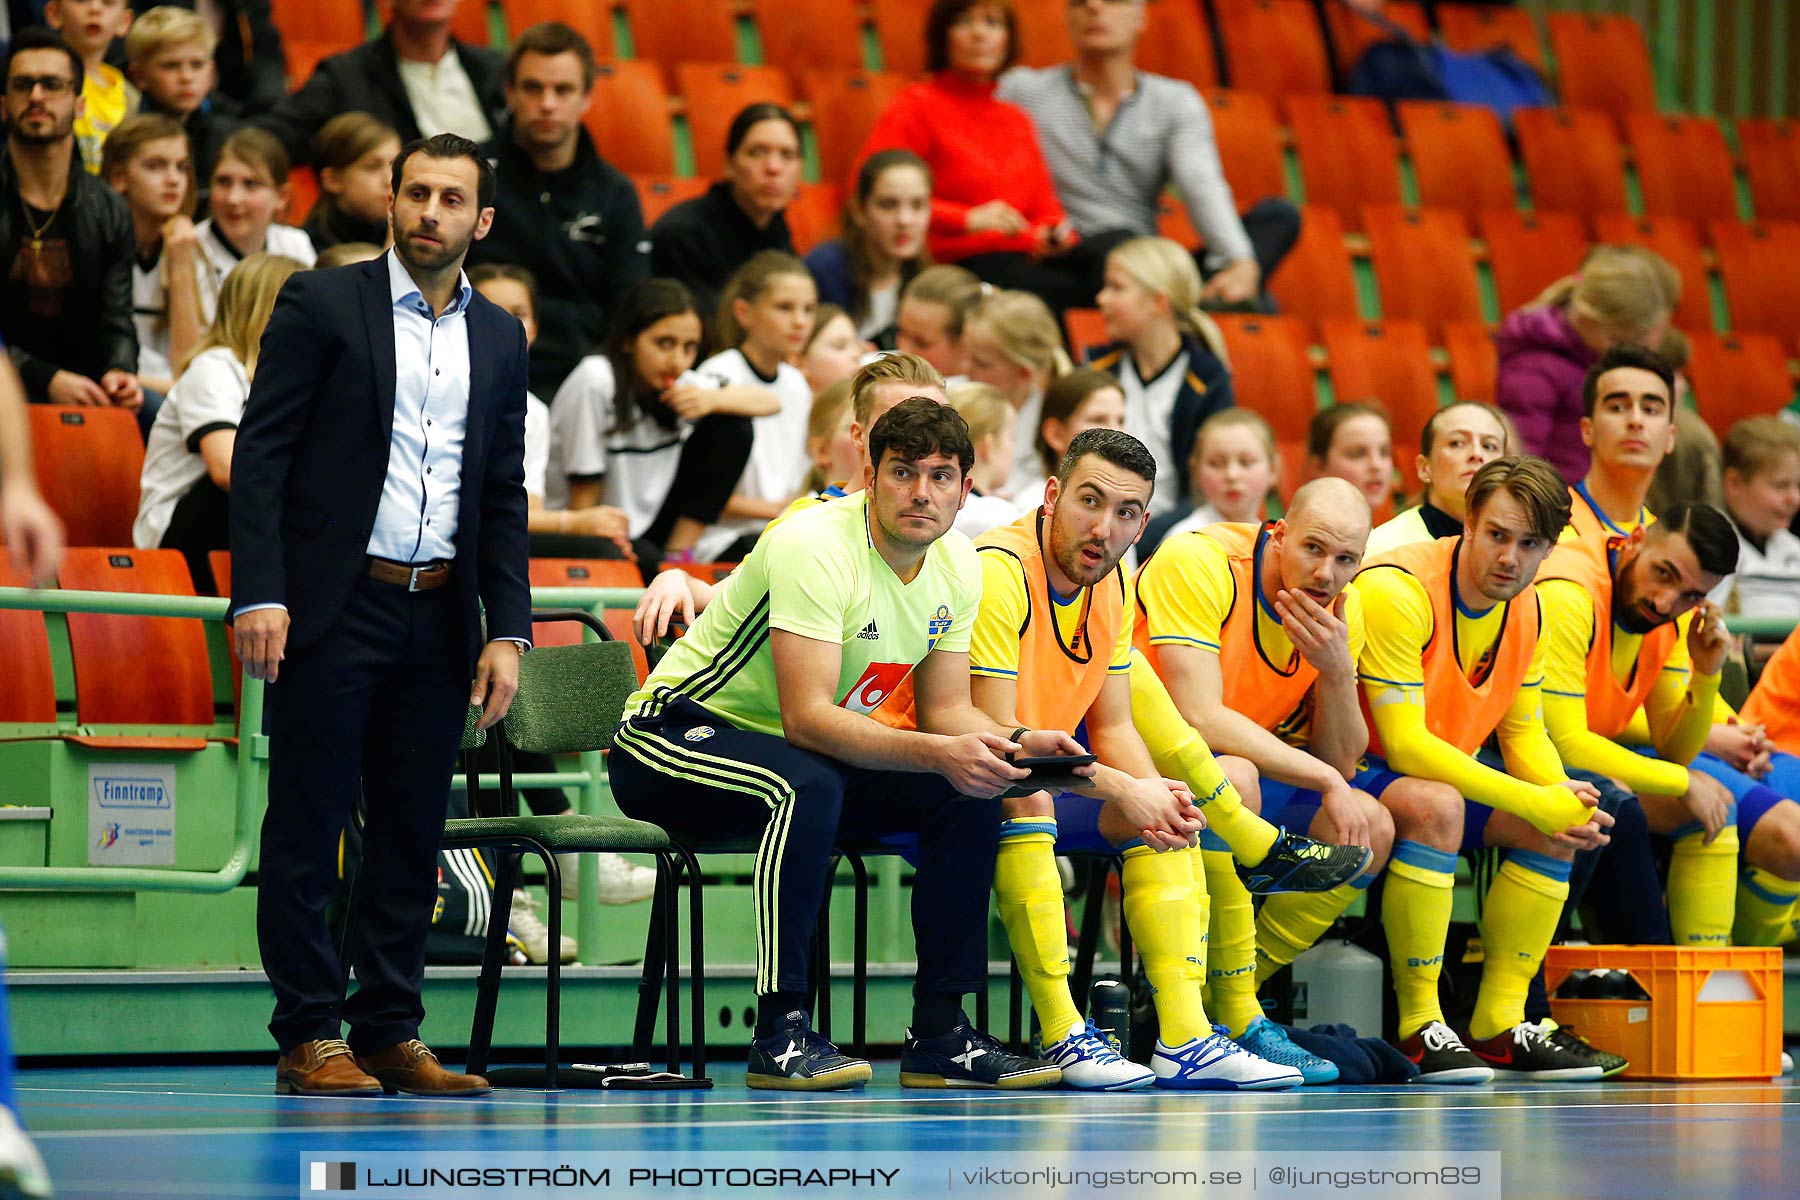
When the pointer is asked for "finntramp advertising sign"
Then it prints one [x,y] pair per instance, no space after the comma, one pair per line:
[131,815]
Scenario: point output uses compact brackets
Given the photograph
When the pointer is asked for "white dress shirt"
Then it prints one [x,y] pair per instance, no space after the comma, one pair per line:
[416,520]
[443,98]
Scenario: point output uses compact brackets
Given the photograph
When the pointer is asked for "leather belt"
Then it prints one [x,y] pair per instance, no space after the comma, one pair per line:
[421,578]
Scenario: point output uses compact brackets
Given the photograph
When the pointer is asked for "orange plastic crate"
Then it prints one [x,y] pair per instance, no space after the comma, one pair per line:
[1679,1032]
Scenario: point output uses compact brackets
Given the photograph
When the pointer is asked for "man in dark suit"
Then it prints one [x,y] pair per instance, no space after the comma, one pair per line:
[377,505]
[415,76]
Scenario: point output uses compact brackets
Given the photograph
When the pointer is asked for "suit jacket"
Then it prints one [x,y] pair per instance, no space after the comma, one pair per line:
[367,79]
[312,455]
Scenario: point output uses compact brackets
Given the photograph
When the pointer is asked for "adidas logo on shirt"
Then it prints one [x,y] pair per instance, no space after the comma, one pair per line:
[869,631]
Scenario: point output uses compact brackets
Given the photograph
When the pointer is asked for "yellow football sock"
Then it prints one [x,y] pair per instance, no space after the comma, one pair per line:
[1031,908]
[1415,912]
[1290,922]
[1231,949]
[1167,912]
[1181,753]
[1524,903]
[1766,908]
[1703,888]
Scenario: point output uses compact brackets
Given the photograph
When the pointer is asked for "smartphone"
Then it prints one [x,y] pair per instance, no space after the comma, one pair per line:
[1055,764]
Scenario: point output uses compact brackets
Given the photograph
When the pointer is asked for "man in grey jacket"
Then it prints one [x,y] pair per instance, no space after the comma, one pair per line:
[1114,136]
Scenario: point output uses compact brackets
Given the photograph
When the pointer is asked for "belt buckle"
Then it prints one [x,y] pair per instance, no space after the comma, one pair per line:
[412,579]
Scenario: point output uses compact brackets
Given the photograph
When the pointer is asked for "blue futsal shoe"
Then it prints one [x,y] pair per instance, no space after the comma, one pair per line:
[796,1058]
[1267,1040]
[1296,863]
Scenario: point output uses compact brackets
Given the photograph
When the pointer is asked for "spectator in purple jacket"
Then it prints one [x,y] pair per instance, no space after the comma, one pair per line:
[1620,294]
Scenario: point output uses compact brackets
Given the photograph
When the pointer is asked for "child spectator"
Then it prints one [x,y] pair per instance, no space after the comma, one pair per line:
[1081,400]
[933,309]
[169,56]
[345,253]
[1762,494]
[185,490]
[634,428]
[1013,342]
[833,351]
[1234,467]
[107,97]
[354,157]
[146,161]
[766,316]
[1167,355]
[836,458]
[1354,441]
[883,246]
[990,420]
[249,191]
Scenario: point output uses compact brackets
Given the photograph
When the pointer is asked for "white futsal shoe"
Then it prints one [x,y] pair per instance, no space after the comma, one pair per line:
[621,882]
[1217,1064]
[22,1170]
[1090,1064]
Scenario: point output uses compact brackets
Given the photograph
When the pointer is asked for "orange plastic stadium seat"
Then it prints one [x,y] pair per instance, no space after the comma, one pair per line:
[1603,62]
[1273,46]
[303,193]
[136,670]
[1676,240]
[29,697]
[1738,375]
[657,194]
[691,31]
[1529,251]
[1315,280]
[1474,360]
[1760,265]
[1178,43]
[629,118]
[1352,33]
[587,573]
[1476,27]
[715,93]
[1388,361]
[800,34]
[342,23]
[1270,371]
[1043,32]
[1086,331]
[1573,160]
[1459,156]
[845,104]
[1772,161]
[1249,140]
[1173,222]
[1683,167]
[1423,266]
[88,462]
[305,54]
[1348,154]
[816,215]
[900,29]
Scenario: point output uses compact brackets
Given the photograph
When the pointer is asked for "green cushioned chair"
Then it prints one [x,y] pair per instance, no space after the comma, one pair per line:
[569,701]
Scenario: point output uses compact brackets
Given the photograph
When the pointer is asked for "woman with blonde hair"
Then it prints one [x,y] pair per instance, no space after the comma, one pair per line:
[1012,342]
[1167,355]
[186,484]
[1620,294]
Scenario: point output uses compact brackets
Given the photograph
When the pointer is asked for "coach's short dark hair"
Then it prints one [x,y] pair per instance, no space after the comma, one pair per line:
[1116,447]
[1708,531]
[1624,354]
[919,427]
[42,37]
[450,145]
[551,38]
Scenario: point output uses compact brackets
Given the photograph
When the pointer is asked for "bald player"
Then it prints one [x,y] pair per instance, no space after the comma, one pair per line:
[1252,632]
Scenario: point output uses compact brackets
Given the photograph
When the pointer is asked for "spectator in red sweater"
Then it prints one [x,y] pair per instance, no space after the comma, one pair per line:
[993,207]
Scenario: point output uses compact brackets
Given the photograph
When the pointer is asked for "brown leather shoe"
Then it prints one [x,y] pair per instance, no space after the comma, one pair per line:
[412,1068]
[322,1068]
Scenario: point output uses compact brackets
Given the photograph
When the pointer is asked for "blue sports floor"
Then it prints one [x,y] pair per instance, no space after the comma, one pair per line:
[221,1132]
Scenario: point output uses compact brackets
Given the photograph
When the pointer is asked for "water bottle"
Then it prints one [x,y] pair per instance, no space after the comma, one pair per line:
[1109,1007]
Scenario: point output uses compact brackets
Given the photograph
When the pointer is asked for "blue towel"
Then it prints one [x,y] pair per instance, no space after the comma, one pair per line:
[1360,1060]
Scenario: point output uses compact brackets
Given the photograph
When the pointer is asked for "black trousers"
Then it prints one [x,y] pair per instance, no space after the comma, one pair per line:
[376,705]
[712,459]
[1067,281]
[201,523]
[710,784]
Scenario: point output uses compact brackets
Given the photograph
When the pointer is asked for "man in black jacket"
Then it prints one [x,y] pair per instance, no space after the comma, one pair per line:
[66,243]
[415,76]
[562,212]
